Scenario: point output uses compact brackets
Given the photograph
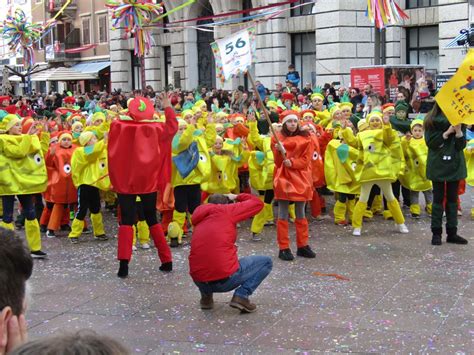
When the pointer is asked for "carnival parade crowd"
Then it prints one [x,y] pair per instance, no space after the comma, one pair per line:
[147,155]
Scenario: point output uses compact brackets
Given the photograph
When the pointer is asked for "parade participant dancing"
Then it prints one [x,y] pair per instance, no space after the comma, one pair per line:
[293,183]
[140,165]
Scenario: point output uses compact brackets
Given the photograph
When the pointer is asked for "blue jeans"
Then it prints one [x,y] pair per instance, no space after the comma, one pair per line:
[252,271]
[26,205]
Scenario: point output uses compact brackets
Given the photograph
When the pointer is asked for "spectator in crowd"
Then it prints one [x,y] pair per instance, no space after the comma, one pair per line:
[307,90]
[367,92]
[83,342]
[16,267]
[293,76]
[355,96]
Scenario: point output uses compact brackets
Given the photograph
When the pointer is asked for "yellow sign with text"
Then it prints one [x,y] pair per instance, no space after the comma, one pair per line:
[456,97]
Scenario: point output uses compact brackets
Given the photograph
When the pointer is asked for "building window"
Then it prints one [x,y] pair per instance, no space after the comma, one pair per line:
[303,56]
[305,9]
[413,4]
[86,31]
[103,31]
[168,67]
[423,46]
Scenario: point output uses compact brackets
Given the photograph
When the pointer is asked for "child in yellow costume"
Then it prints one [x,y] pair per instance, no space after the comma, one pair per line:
[469,154]
[261,166]
[378,164]
[323,116]
[414,178]
[141,229]
[187,190]
[22,174]
[226,157]
[339,165]
[89,174]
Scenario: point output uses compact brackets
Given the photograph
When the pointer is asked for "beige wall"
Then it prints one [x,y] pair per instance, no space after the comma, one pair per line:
[92,9]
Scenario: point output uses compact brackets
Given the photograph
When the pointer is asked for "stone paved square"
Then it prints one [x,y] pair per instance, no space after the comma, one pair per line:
[403,295]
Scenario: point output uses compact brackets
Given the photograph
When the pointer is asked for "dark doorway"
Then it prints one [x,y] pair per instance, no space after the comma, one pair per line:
[206,64]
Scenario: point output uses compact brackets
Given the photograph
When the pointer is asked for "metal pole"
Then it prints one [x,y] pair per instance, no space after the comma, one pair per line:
[142,72]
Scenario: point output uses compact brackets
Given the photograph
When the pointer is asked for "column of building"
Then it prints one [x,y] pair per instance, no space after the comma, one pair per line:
[344,38]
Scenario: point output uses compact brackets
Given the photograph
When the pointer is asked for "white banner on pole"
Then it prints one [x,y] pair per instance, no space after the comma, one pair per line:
[234,54]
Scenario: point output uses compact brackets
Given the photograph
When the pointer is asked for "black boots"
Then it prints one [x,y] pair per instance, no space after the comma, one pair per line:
[436,238]
[454,238]
[123,269]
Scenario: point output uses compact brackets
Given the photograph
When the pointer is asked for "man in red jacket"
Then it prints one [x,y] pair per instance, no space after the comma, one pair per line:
[213,262]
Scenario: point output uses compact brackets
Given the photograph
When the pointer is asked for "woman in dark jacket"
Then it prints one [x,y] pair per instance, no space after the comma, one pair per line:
[445,167]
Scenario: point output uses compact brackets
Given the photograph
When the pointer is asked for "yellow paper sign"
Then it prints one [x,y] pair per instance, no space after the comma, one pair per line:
[456,97]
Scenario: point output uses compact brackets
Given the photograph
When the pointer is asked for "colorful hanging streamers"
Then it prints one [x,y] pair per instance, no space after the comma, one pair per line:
[173,10]
[21,34]
[385,12]
[134,15]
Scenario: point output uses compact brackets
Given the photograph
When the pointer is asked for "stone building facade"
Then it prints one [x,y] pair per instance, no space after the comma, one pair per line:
[323,39]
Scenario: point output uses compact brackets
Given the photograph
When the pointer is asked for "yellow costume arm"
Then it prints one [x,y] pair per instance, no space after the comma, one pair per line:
[348,135]
[182,141]
[389,135]
[210,134]
[97,150]
[254,137]
[27,145]
[44,141]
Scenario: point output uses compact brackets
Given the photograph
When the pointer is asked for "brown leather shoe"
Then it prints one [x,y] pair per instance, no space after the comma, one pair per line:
[242,304]
[207,302]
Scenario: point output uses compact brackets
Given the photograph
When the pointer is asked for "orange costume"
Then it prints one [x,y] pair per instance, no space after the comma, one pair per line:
[61,189]
[293,183]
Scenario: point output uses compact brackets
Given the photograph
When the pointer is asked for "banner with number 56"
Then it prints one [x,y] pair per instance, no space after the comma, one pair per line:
[234,54]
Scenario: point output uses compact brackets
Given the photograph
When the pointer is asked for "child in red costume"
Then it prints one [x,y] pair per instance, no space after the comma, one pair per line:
[293,183]
[139,155]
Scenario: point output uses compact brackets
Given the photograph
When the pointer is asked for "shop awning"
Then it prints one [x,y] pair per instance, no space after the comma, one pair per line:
[57,74]
[91,67]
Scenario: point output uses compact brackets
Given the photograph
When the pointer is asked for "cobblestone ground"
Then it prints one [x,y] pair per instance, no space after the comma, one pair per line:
[403,295]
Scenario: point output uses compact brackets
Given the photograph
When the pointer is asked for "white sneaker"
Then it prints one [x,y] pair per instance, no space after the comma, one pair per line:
[459,213]
[134,248]
[356,232]
[50,234]
[403,228]
[145,246]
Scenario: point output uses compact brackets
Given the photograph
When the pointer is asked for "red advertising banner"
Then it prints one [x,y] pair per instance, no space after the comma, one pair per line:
[363,76]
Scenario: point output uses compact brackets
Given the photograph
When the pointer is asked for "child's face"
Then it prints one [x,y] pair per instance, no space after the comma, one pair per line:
[92,141]
[292,124]
[317,103]
[78,129]
[337,115]
[401,115]
[346,112]
[375,123]
[15,130]
[417,131]
[66,142]
[98,122]
[181,129]
[218,145]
